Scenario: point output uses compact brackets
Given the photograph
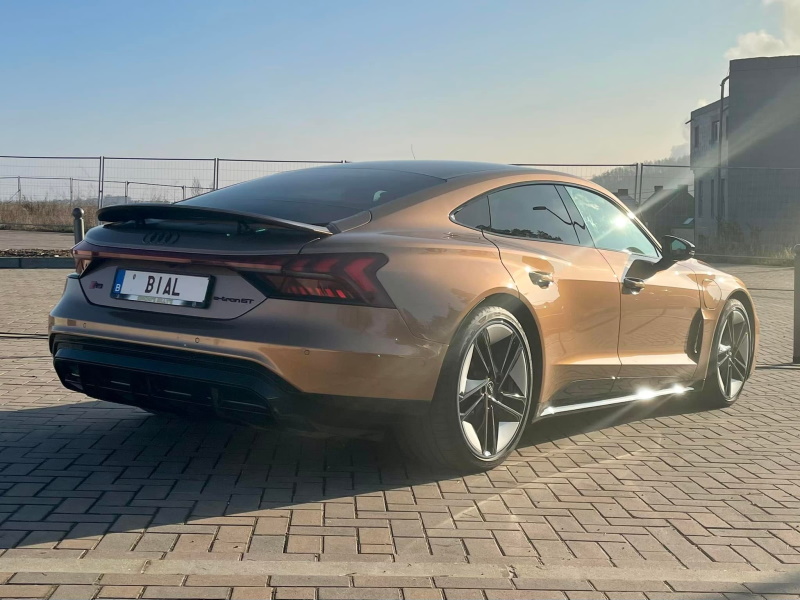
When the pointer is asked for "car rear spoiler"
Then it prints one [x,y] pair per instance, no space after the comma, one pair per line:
[179,212]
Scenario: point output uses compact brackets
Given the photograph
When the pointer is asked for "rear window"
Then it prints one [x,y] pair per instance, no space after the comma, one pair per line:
[318,195]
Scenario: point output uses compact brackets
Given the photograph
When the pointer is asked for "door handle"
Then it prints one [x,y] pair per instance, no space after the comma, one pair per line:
[541,278]
[633,285]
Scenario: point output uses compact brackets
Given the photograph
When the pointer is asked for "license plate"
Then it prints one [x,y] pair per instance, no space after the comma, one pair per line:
[161,288]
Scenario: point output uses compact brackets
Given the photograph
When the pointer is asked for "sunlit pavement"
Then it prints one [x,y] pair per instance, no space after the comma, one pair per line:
[660,501]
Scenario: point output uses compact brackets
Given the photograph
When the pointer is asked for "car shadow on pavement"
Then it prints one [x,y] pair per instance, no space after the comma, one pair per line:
[73,473]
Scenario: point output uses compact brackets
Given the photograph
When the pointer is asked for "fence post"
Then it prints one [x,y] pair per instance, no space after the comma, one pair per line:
[19,188]
[215,184]
[641,183]
[183,188]
[101,176]
[126,192]
[70,189]
[77,224]
[796,350]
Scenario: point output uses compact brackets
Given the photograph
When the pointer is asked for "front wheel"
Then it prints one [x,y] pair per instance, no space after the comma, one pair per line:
[483,399]
[731,357]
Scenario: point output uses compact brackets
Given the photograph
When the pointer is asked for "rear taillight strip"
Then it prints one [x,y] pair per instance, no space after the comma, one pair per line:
[346,278]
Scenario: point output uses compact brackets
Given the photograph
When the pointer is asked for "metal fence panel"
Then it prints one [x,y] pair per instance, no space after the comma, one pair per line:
[41,191]
[759,212]
[739,211]
[231,171]
[620,179]
[155,179]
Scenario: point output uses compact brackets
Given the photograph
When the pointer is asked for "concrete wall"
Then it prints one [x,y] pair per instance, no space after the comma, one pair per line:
[765,112]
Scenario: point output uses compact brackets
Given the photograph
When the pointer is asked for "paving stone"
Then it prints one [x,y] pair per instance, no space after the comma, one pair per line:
[120,591]
[358,594]
[308,581]
[198,593]
[25,591]
[74,592]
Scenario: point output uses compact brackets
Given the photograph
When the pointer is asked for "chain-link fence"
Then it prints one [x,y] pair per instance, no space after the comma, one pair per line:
[728,211]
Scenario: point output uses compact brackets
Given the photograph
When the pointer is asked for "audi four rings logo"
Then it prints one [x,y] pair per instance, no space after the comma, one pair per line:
[162,238]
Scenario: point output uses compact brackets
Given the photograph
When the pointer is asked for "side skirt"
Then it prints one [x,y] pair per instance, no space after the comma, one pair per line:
[640,396]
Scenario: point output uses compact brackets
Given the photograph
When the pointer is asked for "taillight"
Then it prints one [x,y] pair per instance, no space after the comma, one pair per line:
[82,256]
[341,278]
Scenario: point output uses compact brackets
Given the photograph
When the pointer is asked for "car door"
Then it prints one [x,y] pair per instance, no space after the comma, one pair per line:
[659,301]
[571,288]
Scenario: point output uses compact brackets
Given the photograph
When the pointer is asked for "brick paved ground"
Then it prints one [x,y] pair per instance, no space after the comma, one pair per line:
[658,502]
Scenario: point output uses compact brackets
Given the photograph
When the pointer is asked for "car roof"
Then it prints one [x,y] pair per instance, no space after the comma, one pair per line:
[442,169]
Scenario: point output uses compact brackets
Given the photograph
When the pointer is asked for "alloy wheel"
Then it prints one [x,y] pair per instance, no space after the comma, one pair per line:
[734,353]
[494,389]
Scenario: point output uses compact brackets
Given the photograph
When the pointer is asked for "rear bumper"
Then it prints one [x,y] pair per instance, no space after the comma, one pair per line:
[187,382]
[296,357]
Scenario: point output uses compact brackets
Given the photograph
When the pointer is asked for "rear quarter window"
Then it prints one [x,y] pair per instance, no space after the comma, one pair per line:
[474,214]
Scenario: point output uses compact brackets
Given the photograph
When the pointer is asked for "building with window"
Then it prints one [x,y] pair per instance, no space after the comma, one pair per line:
[746,158]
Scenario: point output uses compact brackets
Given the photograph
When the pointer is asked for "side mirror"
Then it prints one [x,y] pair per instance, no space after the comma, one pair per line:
[675,248]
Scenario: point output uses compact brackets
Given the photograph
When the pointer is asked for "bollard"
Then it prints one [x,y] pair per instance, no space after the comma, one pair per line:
[796,351]
[77,224]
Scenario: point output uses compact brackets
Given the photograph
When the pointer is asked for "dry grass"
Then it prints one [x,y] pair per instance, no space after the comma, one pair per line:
[45,215]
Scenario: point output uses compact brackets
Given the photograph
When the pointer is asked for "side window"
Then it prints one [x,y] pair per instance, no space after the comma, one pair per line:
[474,214]
[532,211]
[611,228]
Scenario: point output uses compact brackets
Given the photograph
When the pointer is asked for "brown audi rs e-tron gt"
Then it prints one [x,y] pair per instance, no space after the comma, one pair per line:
[452,302]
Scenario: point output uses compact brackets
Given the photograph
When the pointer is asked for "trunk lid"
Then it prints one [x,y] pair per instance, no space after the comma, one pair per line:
[185,243]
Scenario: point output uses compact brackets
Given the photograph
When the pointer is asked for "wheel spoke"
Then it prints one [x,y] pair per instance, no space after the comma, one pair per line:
[493,447]
[486,361]
[509,366]
[740,339]
[467,393]
[472,407]
[488,347]
[517,397]
[508,409]
[485,447]
[728,379]
[740,373]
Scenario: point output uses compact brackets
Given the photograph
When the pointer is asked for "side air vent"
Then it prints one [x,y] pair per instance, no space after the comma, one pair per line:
[694,342]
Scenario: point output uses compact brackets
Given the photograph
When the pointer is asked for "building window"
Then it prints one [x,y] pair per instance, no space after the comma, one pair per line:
[714,131]
[722,210]
[697,136]
[700,198]
[711,198]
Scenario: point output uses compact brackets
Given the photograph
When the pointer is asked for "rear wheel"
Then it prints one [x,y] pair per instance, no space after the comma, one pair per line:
[731,357]
[483,398]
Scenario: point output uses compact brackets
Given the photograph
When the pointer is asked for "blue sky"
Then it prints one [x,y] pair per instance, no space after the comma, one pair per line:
[516,81]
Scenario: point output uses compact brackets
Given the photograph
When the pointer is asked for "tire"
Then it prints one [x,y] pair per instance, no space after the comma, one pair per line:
[483,399]
[731,356]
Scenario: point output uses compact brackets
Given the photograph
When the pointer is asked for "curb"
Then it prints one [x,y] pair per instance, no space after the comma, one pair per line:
[42,262]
